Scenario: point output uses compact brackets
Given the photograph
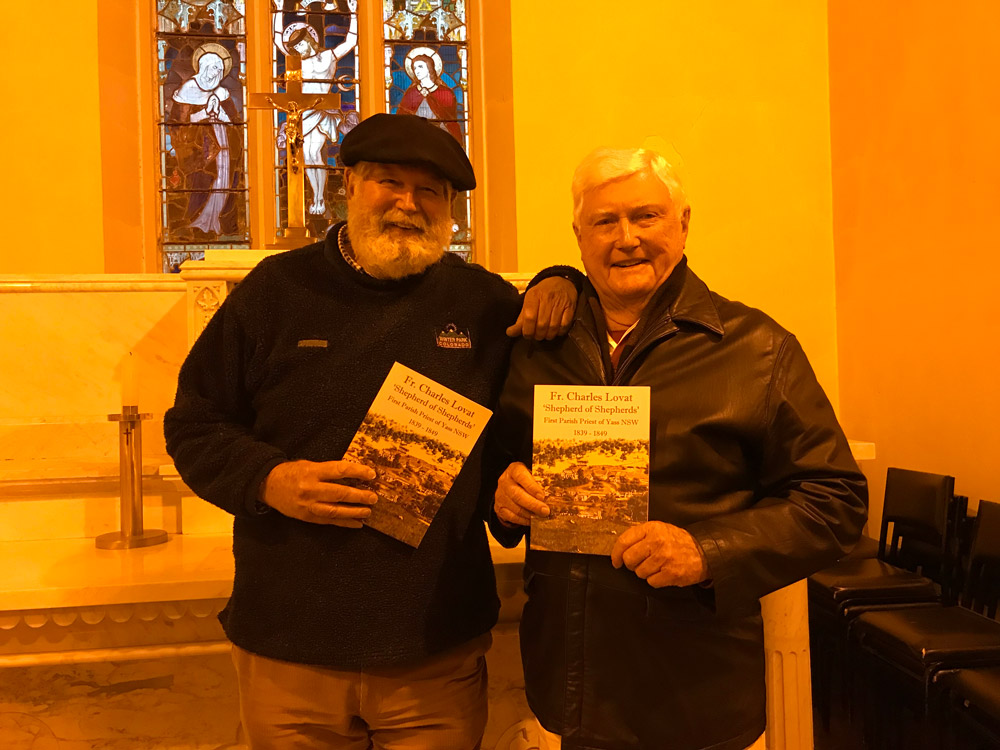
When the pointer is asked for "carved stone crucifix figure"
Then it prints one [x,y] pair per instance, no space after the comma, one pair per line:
[295,105]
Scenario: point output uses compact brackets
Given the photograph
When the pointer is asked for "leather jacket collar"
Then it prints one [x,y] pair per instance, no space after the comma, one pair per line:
[682,297]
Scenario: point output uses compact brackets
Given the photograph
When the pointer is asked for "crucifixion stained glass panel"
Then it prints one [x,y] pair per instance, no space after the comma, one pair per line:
[324,38]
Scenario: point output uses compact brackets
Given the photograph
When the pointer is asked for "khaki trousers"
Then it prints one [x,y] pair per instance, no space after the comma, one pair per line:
[439,702]
[551,741]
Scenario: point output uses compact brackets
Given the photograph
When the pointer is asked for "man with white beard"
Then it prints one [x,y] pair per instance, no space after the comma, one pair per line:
[345,637]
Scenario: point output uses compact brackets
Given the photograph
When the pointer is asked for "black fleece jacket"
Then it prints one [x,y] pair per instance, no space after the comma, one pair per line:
[260,387]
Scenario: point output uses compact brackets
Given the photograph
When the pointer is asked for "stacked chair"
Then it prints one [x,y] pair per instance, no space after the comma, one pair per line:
[912,565]
[974,715]
[914,659]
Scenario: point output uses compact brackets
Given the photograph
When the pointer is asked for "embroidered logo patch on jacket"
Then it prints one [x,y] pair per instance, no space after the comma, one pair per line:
[453,337]
[312,343]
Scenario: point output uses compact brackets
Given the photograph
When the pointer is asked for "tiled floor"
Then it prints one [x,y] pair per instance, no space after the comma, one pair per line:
[190,703]
[187,703]
[168,704]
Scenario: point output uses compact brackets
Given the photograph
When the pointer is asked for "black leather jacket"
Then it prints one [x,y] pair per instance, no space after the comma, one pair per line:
[747,455]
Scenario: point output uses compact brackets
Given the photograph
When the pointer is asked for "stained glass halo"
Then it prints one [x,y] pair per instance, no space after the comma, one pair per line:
[215,49]
[291,28]
[426,52]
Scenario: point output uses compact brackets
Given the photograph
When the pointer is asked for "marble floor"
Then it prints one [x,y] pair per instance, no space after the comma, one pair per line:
[188,703]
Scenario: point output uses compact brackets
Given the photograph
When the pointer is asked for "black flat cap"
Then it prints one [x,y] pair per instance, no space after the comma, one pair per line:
[408,139]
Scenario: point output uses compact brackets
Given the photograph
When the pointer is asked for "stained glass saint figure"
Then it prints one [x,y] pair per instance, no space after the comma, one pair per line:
[201,70]
[202,115]
[428,96]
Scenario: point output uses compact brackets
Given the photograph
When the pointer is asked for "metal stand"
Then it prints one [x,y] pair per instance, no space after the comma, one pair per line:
[130,458]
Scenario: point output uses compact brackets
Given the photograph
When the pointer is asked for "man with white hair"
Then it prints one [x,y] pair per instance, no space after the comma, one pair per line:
[752,486]
[345,637]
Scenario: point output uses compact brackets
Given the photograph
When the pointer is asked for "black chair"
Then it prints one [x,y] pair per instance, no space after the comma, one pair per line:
[920,508]
[974,715]
[905,653]
[908,569]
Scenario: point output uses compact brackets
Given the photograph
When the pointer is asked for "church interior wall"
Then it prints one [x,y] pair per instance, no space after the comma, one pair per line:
[738,99]
[50,142]
[914,116]
[128,138]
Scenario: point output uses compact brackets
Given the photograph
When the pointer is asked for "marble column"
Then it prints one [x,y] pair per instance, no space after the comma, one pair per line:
[786,647]
[789,681]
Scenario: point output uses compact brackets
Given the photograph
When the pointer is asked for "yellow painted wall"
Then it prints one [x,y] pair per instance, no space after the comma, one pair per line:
[50,141]
[739,90]
[128,137]
[914,120]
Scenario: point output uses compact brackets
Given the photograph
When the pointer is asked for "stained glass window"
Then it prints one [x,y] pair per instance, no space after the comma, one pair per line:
[201,58]
[320,40]
[427,74]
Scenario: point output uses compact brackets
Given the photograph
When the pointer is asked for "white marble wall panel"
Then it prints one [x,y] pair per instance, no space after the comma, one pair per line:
[66,367]
[70,347]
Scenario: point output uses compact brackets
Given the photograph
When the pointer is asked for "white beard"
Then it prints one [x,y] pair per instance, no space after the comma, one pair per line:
[387,252]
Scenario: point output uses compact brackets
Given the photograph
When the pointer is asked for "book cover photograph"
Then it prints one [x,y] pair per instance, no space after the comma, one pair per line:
[590,453]
[416,436]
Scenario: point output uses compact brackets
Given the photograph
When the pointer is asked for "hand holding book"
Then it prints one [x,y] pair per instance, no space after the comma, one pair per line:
[417,435]
[314,492]
[519,497]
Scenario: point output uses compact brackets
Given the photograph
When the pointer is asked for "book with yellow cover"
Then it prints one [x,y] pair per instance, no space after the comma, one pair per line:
[416,436]
[590,453]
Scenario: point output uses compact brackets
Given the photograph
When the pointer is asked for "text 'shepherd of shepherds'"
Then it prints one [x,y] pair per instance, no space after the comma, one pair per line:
[416,435]
[435,405]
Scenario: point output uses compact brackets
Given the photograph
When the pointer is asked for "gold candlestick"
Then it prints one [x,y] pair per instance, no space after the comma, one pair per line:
[130,460]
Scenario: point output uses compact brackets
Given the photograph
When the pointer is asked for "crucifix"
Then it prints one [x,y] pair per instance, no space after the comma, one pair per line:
[296,106]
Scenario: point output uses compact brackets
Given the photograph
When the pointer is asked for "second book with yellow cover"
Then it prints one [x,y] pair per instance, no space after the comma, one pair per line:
[590,453]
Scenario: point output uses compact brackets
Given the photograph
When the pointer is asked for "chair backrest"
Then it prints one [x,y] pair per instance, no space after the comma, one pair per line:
[982,580]
[918,505]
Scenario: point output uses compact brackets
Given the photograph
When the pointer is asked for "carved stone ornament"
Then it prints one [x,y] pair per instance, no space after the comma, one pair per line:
[110,626]
[208,299]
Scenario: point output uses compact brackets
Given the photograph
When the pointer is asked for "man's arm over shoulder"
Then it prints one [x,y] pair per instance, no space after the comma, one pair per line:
[208,430]
[549,304]
[813,497]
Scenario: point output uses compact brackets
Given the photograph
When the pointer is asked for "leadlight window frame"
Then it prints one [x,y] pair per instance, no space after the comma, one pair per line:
[371,96]
[490,89]
[227,136]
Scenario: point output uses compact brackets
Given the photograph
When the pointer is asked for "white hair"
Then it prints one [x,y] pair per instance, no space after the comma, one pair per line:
[604,165]
[210,57]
